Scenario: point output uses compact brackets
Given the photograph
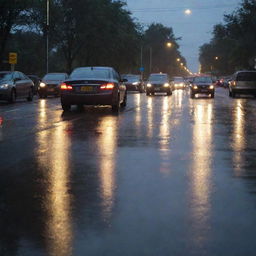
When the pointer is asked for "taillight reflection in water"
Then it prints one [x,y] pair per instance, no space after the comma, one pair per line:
[201,186]
[150,117]
[53,160]
[107,145]
[238,136]
[165,136]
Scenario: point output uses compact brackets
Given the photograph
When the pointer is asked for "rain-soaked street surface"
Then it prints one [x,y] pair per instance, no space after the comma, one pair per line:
[167,176]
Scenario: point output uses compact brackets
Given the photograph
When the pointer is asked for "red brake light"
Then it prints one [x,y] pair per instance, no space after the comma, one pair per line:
[65,86]
[108,86]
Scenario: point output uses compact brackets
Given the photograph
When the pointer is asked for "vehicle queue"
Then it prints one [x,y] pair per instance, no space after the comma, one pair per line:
[105,86]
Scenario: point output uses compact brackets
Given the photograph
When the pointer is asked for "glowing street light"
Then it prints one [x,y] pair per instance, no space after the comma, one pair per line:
[169,44]
[216,58]
[178,59]
[188,11]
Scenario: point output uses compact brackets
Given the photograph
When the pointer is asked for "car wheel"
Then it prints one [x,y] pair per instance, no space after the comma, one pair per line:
[116,106]
[12,98]
[148,93]
[169,93]
[30,95]
[192,95]
[233,94]
[212,95]
[152,93]
[65,107]
[123,104]
[229,93]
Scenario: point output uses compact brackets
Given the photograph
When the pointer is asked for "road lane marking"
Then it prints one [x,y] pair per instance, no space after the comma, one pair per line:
[8,111]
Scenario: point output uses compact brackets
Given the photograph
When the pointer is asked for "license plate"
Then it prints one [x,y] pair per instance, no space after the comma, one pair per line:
[50,90]
[157,89]
[204,90]
[86,89]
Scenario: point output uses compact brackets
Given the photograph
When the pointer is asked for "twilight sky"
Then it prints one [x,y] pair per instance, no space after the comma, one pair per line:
[195,29]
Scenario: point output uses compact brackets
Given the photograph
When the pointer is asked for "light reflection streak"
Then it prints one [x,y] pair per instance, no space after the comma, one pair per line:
[107,144]
[164,136]
[178,98]
[238,136]
[201,171]
[150,117]
[53,159]
[137,103]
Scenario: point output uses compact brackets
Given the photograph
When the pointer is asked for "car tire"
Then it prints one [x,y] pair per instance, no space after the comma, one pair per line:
[123,104]
[148,93]
[212,95]
[233,94]
[65,107]
[12,98]
[192,95]
[116,106]
[169,93]
[152,93]
[30,95]
[229,93]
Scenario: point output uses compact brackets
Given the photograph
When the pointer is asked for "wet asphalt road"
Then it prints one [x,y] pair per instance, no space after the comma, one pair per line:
[167,176]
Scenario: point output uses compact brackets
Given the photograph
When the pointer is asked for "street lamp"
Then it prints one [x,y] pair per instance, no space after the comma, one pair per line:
[216,58]
[47,34]
[178,59]
[169,44]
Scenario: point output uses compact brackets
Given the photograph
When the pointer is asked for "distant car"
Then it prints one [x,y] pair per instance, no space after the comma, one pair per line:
[93,86]
[36,80]
[14,85]
[134,83]
[158,82]
[50,84]
[178,83]
[202,85]
[243,82]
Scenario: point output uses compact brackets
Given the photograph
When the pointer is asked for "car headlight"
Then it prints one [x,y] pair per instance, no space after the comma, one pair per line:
[181,84]
[135,83]
[166,85]
[195,87]
[4,86]
[42,85]
[149,85]
[211,87]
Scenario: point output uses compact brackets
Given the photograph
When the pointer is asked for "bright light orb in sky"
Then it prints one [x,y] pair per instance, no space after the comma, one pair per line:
[188,12]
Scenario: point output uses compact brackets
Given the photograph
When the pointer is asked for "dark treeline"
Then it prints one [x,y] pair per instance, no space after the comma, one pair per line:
[82,33]
[233,46]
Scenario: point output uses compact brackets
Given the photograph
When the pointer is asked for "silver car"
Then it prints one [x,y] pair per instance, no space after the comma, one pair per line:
[243,82]
[14,85]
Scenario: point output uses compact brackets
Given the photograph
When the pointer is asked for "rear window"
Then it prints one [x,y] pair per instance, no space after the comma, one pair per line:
[202,79]
[131,77]
[54,77]
[87,73]
[246,76]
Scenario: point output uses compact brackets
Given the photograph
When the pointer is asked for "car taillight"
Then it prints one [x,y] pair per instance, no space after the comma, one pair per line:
[108,86]
[65,86]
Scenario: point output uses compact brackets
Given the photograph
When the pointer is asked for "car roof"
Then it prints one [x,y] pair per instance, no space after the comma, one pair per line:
[245,71]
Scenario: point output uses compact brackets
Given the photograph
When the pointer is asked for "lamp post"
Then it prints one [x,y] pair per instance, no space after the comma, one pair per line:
[47,34]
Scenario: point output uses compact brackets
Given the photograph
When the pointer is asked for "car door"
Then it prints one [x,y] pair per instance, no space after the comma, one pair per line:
[27,83]
[19,85]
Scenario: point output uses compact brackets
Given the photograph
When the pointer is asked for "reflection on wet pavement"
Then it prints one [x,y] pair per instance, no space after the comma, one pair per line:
[157,179]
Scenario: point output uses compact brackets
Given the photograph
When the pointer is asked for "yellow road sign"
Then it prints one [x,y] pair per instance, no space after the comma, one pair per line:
[12,58]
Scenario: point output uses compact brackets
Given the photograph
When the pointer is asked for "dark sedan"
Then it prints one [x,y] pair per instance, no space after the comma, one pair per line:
[202,85]
[93,86]
[159,83]
[14,85]
[50,84]
[134,83]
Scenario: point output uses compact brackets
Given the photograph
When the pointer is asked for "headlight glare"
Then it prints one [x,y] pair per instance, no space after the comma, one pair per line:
[195,87]
[166,85]
[149,85]
[42,85]
[135,83]
[211,87]
[4,86]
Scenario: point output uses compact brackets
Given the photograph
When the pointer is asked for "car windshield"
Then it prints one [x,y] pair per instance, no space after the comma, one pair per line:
[5,76]
[178,79]
[54,77]
[202,79]
[159,78]
[131,78]
[246,76]
[89,73]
